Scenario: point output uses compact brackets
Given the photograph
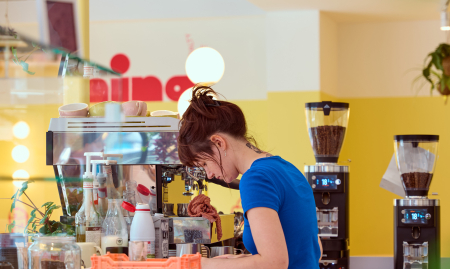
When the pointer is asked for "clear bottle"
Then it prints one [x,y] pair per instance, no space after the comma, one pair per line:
[114,230]
[129,197]
[87,220]
[102,206]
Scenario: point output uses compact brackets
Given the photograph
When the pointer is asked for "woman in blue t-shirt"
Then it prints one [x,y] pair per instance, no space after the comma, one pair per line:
[280,223]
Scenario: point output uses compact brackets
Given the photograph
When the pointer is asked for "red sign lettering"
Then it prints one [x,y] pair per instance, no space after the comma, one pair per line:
[149,88]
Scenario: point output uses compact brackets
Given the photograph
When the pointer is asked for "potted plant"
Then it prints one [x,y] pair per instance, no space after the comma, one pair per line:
[436,70]
[39,222]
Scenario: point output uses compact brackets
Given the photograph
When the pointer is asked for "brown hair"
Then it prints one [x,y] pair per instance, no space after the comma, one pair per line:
[203,118]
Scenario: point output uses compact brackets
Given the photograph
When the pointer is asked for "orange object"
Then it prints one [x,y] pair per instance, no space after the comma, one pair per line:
[120,261]
[201,206]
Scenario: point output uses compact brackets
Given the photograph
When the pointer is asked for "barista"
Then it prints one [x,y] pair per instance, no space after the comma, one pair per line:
[280,223]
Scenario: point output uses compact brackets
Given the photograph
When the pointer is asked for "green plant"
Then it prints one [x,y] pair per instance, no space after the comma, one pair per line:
[436,70]
[23,63]
[39,221]
[19,60]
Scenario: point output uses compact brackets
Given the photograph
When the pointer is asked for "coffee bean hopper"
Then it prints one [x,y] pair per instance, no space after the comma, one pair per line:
[416,218]
[327,125]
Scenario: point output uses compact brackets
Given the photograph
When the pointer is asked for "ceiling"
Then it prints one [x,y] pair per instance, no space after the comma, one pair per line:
[362,10]
[339,10]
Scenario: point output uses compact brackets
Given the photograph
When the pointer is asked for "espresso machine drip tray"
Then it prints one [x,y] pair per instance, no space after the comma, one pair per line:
[415,255]
[328,222]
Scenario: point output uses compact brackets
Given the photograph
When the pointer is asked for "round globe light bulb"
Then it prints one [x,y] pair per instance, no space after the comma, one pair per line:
[184,101]
[205,66]
[20,176]
[21,130]
[20,154]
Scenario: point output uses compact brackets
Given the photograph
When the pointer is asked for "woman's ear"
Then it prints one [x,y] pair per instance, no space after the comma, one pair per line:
[219,141]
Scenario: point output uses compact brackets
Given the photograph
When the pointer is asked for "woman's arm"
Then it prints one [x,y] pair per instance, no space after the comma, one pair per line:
[269,240]
[321,249]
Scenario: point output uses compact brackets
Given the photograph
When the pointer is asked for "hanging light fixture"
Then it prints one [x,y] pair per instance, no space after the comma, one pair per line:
[204,66]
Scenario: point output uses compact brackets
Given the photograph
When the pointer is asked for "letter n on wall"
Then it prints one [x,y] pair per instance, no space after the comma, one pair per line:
[147,89]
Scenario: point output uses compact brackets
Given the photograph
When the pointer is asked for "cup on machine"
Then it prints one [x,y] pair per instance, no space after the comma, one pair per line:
[87,250]
[182,210]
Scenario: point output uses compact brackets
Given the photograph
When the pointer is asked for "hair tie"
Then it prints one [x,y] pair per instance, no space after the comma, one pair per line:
[216,103]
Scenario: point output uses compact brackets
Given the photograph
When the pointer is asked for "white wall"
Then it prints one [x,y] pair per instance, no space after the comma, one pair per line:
[160,48]
[114,10]
[382,59]
[328,55]
[293,51]
[274,52]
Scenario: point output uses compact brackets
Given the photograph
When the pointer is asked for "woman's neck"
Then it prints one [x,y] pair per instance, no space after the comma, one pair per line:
[245,154]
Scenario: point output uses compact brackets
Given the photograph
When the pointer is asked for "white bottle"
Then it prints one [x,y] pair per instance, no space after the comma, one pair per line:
[142,234]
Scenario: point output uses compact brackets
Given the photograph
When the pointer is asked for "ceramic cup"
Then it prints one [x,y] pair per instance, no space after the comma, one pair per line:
[165,113]
[134,108]
[87,250]
[74,110]
[98,110]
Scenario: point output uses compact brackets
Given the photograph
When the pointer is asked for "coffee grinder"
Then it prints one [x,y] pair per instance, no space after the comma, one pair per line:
[327,124]
[416,218]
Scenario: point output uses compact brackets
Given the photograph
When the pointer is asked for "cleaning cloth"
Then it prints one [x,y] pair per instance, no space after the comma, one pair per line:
[201,206]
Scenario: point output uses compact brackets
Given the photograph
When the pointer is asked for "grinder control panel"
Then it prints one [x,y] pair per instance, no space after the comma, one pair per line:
[415,216]
[325,182]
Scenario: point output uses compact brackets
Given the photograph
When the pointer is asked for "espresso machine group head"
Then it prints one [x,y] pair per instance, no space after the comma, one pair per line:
[327,125]
[416,218]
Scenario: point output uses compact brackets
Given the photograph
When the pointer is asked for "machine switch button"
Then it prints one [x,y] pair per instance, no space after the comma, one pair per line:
[428,216]
[338,181]
[313,186]
[403,220]
[403,212]
[313,177]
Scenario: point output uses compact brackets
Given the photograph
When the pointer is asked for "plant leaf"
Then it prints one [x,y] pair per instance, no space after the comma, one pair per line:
[13,205]
[25,67]
[24,187]
[47,204]
[29,222]
[42,221]
[50,209]
[437,61]
[43,229]
[56,232]
[11,226]
[14,52]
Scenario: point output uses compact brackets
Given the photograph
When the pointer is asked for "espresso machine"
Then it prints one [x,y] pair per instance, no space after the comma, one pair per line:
[416,218]
[135,144]
[327,124]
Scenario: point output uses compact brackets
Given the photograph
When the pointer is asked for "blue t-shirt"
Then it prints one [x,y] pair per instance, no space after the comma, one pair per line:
[277,184]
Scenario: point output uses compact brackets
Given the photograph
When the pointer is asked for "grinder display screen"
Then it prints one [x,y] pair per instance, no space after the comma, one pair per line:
[415,216]
[325,182]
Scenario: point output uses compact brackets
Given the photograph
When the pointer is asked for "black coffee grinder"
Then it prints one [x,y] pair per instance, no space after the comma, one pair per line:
[327,124]
[416,218]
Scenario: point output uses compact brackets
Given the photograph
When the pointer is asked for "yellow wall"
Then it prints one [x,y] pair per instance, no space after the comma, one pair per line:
[369,145]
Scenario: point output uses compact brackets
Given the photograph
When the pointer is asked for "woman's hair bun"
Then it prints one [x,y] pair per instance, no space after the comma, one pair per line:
[202,100]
